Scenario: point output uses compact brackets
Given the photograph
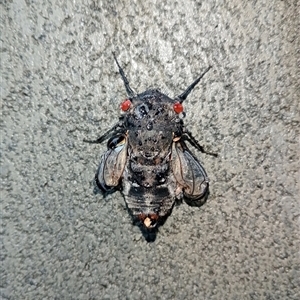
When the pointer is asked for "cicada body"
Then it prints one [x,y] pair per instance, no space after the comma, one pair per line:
[148,159]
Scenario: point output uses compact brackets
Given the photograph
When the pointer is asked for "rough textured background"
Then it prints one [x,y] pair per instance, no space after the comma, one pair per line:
[59,84]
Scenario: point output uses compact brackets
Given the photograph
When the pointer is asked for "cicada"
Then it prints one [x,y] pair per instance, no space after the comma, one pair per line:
[147,156]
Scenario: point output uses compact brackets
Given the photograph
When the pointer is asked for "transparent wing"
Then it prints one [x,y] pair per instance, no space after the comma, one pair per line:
[112,163]
[189,173]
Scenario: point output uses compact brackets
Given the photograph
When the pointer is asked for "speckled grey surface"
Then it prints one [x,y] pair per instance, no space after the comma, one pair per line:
[59,84]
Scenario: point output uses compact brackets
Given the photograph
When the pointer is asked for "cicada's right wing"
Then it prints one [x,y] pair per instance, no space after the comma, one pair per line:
[112,163]
[189,174]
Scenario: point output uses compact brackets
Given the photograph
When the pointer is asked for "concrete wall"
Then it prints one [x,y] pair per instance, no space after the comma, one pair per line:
[59,85]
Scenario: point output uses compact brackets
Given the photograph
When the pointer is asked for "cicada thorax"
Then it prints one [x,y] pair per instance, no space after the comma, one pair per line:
[148,182]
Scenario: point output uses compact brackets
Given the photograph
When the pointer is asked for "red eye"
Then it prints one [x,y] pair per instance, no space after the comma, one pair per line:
[125,104]
[178,108]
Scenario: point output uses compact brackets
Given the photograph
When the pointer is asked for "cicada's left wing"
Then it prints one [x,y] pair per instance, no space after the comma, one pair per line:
[112,163]
[189,174]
